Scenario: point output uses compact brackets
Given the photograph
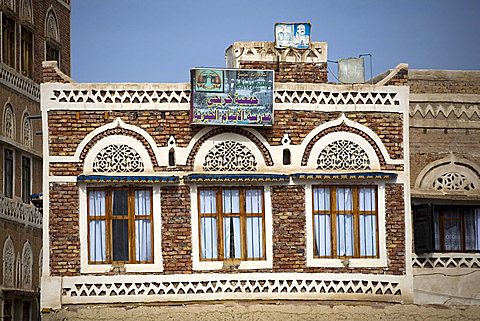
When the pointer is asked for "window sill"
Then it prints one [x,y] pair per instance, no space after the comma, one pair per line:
[106,268]
[229,266]
[350,263]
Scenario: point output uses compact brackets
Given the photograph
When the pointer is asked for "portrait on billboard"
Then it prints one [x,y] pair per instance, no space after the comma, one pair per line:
[292,35]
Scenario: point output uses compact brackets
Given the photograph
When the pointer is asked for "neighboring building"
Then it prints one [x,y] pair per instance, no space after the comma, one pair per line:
[144,207]
[445,182]
[31,31]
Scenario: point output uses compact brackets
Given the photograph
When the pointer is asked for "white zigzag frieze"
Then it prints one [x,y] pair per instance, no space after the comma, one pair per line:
[458,110]
[446,261]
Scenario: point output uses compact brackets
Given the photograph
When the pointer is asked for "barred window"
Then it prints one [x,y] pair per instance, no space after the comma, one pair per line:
[232,223]
[345,220]
[120,225]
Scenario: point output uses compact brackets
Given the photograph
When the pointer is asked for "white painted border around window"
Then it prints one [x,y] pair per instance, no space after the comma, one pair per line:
[244,265]
[156,266]
[353,262]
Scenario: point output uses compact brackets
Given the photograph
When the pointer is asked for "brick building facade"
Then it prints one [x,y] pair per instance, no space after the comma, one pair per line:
[31,31]
[227,212]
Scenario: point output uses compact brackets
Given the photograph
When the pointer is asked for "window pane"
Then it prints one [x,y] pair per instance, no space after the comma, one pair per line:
[367,198]
[344,199]
[97,241]
[452,234]
[143,246]
[208,237]
[232,237]
[208,202]
[321,199]
[142,202]
[96,203]
[26,311]
[471,228]
[436,228]
[8,176]
[253,200]
[254,237]
[477,228]
[231,201]
[368,241]
[120,202]
[120,240]
[26,179]
[345,235]
[321,227]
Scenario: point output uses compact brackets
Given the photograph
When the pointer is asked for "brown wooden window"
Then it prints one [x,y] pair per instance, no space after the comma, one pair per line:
[345,221]
[7,310]
[8,41]
[26,179]
[8,173]
[51,52]
[120,225]
[26,61]
[232,223]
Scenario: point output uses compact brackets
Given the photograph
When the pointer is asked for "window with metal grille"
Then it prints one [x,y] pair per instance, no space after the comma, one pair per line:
[232,223]
[120,225]
[345,220]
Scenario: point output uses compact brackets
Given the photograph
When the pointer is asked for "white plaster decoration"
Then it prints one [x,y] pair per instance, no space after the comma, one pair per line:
[242,286]
[27,134]
[9,4]
[229,152]
[343,155]
[286,141]
[199,265]
[381,261]
[156,266]
[353,152]
[452,181]
[171,142]
[27,264]
[18,271]
[447,260]
[9,122]
[449,175]
[14,80]
[26,11]
[8,263]
[19,212]
[229,156]
[108,156]
[118,158]
[52,26]
[457,110]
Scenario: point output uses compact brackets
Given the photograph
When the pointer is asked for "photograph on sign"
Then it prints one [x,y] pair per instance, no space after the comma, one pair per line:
[292,35]
[243,97]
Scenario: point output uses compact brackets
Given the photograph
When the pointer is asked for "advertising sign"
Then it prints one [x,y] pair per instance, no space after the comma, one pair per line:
[241,97]
[294,35]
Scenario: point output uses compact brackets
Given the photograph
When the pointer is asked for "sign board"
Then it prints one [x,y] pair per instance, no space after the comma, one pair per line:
[242,97]
[292,35]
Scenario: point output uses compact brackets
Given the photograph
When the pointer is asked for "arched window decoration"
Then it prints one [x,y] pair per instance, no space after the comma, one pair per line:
[230,156]
[8,263]
[27,131]
[26,11]
[9,4]
[118,158]
[9,122]
[453,181]
[52,26]
[343,155]
[27,264]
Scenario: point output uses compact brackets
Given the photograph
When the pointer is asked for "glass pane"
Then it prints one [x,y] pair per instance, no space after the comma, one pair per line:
[436,228]
[231,201]
[120,202]
[232,237]
[368,239]
[321,227]
[367,198]
[208,237]
[142,202]
[143,244]
[96,202]
[344,199]
[208,202]
[254,237]
[120,240]
[452,231]
[253,200]
[321,199]
[97,241]
[477,228]
[345,235]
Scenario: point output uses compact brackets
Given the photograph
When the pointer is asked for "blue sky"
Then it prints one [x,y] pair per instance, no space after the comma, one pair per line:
[159,41]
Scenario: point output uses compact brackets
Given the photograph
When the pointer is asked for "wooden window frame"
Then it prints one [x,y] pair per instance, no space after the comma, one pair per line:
[8,176]
[26,181]
[8,41]
[219,215]
[26,51]
[53,47]
[462,211]
[356,221]
[109,218]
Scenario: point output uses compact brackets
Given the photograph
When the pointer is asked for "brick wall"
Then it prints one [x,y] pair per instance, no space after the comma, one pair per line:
[64,224]
[299,72]
[444,81]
